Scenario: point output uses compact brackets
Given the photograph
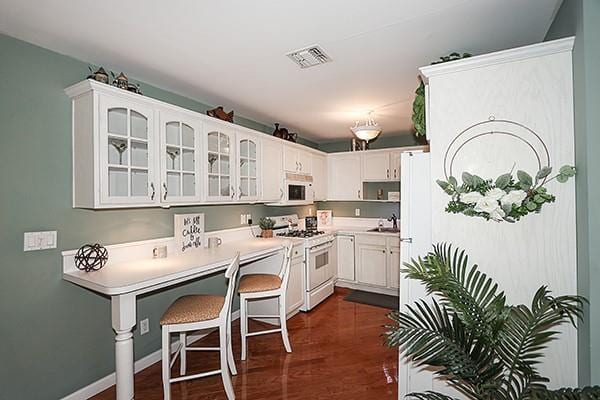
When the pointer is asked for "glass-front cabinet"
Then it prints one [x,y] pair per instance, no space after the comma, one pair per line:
[248,167]
[219,162]
[180,157]
[127,140]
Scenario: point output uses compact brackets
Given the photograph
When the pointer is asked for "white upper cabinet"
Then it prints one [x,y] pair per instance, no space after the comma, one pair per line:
[344,172]
[180,155]
[127,146]
[379,166]
[297,160]
[272,171]
[248,178]
[219,163]
[319,167]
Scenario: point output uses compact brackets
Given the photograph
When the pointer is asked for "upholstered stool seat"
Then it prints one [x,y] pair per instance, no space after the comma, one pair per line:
[253,283]
[193,308]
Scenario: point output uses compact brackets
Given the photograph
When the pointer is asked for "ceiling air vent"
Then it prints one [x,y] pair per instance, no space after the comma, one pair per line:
[309,56]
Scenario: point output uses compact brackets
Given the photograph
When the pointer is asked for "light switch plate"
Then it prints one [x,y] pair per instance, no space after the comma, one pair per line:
[39,240]
[357,212]
[144,326]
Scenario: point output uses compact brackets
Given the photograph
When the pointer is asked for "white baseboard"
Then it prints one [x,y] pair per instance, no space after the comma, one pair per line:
[104,383]
[366,288]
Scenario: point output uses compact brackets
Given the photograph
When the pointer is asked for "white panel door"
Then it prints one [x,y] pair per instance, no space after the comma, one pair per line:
[415,227]
[290,159]
[304,162]
[272,175]
[395,165]
[345,259]
[180,155]
[294,296]
[344,182]
[376,166]
[372,261]
[319,173]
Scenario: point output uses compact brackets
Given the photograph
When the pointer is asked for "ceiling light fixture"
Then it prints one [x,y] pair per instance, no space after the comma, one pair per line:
[367,131]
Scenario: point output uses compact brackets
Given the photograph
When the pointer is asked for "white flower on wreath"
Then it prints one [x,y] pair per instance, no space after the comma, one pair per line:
[495,193]
[515,197]
[490,206]
[471,197]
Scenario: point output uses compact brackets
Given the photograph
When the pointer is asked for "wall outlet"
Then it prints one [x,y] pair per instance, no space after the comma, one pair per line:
[357,212]
[144,326]
[243,219]
[39,240]
[249,219]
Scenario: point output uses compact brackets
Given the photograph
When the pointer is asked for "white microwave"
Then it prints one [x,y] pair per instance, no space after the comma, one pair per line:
[298,189]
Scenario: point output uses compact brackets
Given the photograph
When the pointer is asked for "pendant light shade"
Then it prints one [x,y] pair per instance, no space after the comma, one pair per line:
[367,131]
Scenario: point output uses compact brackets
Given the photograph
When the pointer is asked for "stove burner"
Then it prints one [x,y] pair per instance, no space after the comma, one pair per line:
[301,234]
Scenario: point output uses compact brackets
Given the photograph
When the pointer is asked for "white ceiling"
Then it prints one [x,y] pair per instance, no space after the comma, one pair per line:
[232,52]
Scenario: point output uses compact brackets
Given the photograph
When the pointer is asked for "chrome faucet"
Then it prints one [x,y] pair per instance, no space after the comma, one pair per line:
[394,219]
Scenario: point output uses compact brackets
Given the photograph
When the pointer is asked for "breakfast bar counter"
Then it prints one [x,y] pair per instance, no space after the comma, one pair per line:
[131,271]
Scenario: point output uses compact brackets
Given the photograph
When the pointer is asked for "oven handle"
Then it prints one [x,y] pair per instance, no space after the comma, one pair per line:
[320,247]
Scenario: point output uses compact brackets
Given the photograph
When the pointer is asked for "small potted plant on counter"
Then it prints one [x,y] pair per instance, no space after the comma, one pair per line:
[266,225]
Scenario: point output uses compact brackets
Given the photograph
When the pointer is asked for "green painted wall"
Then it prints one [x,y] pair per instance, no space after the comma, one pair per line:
[382,142]
[580,18]
[57,337]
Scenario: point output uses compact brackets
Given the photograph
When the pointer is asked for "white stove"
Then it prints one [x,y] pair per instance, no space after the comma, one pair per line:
[319,269]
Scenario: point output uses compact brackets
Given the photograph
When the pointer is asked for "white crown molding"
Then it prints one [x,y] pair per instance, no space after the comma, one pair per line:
[499,57]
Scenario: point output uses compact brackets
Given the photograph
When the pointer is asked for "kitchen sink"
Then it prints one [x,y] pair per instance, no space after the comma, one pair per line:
[384,230]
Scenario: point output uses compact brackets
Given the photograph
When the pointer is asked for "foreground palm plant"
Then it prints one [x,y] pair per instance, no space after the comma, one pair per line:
[481,346]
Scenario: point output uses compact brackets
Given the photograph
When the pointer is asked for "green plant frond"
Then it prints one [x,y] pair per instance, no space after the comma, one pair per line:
[526,335]
[430,335]
[429,395]
[587,393]
[467,291]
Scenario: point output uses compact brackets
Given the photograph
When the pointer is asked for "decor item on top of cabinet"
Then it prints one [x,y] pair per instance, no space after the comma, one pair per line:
[99,75]
[475,341]
[91,257]
[120,81]
[359,145]
[189,232]
[266,225]
[505,198]
[418,116]
[219,113]
[324,218]
[284,134]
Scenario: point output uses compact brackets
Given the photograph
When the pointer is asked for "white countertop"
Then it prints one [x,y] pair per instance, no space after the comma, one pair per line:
[148,274]
[353,230]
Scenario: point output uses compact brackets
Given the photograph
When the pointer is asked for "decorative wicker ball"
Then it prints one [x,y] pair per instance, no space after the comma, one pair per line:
[91,257]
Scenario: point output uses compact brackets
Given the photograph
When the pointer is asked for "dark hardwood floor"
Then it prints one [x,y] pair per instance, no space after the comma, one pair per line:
[338,353]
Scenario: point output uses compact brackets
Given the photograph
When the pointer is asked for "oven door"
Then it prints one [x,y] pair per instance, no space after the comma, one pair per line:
[319,268]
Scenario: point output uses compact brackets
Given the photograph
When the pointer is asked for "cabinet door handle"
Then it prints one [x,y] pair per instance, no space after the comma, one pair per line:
[232,191]
[153,190]
[388,173]
[166,191]
[300,166]
[383,251]
[281,197]
[359,194]
[240,192]
[297,166]
[395,170]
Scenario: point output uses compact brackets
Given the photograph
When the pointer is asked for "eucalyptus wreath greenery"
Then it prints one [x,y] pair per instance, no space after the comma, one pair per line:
[475,341]
[418,116]
[505,198]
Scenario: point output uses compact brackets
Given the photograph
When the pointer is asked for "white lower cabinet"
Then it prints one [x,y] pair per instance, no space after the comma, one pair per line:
[377,261]
[345,252]
[295,289]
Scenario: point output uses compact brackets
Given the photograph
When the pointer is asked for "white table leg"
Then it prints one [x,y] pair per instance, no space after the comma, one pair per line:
[123,321]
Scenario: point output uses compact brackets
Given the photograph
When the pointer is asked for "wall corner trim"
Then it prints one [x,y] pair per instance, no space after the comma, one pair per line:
[499,57]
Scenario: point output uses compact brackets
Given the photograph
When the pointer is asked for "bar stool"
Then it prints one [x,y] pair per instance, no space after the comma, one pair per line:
[197,312]
[262,286]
